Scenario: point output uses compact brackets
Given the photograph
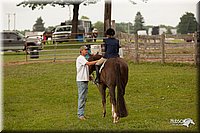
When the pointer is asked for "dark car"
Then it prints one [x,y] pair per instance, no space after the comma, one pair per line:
[12,40]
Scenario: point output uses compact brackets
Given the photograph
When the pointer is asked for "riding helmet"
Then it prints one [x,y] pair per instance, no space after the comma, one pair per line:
[110,32]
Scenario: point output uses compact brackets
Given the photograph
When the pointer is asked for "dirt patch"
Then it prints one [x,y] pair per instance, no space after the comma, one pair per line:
[16,63]
[33,62]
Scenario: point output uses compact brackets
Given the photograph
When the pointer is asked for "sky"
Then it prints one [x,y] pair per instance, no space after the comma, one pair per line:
[155,12]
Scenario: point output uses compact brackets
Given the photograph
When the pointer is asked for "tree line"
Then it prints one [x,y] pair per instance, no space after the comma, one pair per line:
[187,24]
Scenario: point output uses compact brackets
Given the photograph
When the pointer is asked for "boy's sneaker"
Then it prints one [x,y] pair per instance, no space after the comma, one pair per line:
[82,118]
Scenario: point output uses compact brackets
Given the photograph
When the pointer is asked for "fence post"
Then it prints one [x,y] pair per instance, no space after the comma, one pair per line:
[55,48]
[145,44]
[195,47]
[136,49]
[113,25]
[26,52]
[162,42]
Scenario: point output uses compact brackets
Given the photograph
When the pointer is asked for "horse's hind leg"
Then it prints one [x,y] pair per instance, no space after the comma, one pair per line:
[114,114]
[113,102]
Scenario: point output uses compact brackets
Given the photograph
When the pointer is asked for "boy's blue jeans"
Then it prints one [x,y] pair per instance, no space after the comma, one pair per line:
[82,96]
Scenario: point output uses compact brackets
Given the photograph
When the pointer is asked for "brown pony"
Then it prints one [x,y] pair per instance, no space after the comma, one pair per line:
[114,73]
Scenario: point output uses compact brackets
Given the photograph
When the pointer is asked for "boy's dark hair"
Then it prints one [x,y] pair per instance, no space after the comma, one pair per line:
[110,32]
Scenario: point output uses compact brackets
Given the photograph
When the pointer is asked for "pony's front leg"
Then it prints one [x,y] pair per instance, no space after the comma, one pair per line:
[102,90]
[104,107]
[104,102]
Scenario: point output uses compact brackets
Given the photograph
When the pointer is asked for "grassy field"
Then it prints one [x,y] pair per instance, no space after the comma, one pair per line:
[43,96]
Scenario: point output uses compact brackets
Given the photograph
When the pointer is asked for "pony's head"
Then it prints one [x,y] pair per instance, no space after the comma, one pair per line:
[93,58]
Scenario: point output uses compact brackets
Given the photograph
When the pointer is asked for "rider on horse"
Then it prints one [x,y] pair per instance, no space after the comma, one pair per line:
[111,51]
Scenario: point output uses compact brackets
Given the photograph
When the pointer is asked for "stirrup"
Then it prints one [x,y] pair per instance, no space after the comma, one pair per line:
[96,81]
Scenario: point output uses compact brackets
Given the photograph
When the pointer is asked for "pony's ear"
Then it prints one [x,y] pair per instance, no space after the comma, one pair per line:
[97,53]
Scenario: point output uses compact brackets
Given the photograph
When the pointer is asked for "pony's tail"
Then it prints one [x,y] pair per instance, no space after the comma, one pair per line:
[121,105]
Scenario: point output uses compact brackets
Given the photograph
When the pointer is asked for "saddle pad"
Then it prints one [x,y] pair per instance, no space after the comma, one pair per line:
[102,66]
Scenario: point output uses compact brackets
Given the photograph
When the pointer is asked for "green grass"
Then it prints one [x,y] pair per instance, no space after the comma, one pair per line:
[43,96]
[13,56]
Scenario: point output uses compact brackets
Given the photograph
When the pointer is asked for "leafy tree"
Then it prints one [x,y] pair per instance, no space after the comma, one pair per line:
[100,27]
[120,27]
[169,31]
[139,22]
[49,28]
[76,3]
[187,24]
[169,28]
[84,17]
[33,4]
[39,25]
[124,27]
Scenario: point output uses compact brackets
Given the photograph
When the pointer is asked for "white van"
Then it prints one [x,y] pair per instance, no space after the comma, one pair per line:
[62,33]
[142,32]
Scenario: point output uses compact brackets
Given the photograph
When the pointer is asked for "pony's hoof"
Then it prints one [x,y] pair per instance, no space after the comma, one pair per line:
[116,120]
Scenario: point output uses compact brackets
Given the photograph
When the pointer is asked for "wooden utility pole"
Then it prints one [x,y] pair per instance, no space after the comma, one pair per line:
[75,20]
[107,15]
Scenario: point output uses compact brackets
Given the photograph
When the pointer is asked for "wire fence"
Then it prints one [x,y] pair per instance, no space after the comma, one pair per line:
[155,48]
